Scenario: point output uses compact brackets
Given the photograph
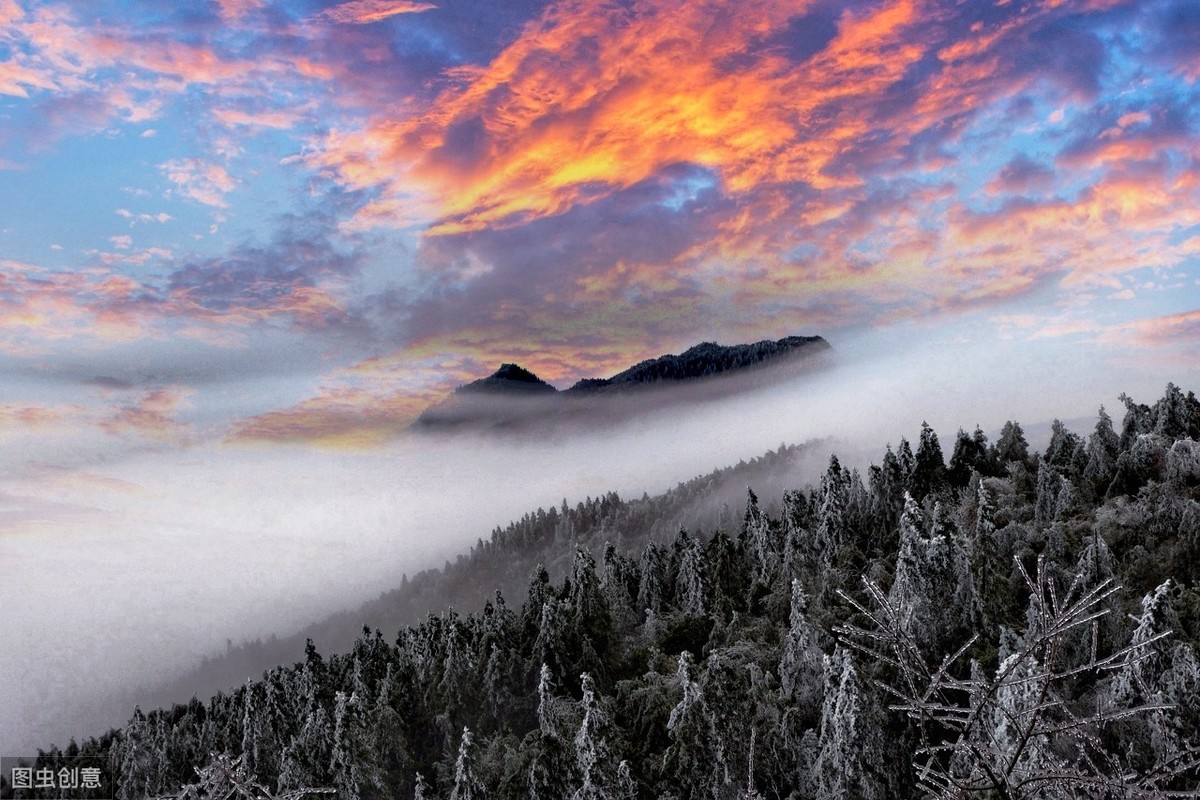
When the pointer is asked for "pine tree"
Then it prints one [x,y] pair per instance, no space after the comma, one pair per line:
[1103,447]
[832,512]
[467,785]
[354,773]
[551,771]
[1061,450]
[695,764]
[691,588]
[849,750]
[929,471]
[1011,446]
[970,455]
[1173,415]
[592,755]
[135,759]
[800,666]
[760,540]
[933,582]
[652,586]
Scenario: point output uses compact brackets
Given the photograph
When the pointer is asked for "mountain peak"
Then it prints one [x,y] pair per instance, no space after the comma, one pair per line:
[509,378]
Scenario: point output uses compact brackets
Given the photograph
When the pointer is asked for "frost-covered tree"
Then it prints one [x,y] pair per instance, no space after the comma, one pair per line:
[693,760]
[228,778]
[593,758]
[1018,733]
[691,587]
[760,539]
[970,455]
[1103,448]
[850,752]
[833,501]
[355,773]
[1060,451]
[1011,446]
[801,665]
[933,582]
[467,785]
[929,471]
[652,584]
[551,772]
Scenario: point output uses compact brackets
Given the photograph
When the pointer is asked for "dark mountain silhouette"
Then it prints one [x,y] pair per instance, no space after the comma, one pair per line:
[705,360]
[514,399]
[509,378]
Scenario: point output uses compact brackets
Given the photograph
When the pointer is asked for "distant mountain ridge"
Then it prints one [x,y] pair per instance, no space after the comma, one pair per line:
[703,360]
[474,404]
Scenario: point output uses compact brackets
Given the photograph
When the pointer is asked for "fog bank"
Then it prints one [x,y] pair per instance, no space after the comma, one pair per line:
[120,575]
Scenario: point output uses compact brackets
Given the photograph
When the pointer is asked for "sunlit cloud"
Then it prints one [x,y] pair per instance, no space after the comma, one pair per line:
[364,12]
[203,182]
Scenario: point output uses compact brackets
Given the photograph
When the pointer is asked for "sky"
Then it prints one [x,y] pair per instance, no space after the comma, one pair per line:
[252,221]
[243,243]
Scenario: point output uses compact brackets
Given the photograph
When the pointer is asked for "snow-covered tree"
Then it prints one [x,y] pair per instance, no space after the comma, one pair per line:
[929,471]
[692,758]
[467,785]
[1103,448]
[691,586]
[1011,446]
[850,753]
[801,664]
[593,759]
[1017,733]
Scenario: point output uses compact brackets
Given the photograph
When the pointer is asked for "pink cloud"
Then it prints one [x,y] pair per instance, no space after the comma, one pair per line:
[363,12]
[204,182]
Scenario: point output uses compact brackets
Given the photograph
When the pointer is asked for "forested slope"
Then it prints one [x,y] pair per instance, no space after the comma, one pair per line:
[719,664]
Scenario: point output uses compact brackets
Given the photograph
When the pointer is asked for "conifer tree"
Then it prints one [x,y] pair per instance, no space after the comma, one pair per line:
[692,583]
[1061,450]
[652,586]
[849,751]
[467,785]
[1011,446]
[970,455]
[592,754]
[352,764]
[929,470]
[551,771]
[800,666]
[832,512]
[760,540]
[1103,447]
[696,765]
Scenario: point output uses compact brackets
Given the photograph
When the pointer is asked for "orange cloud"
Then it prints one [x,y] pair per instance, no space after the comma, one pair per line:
[337,418]
[589,100]
[363,12]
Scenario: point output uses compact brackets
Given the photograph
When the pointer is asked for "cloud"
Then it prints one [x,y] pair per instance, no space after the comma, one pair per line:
[151,415]
[234,10]
[133,218]
[1022,175]
[1181,330]
[364,12]
[205,183]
